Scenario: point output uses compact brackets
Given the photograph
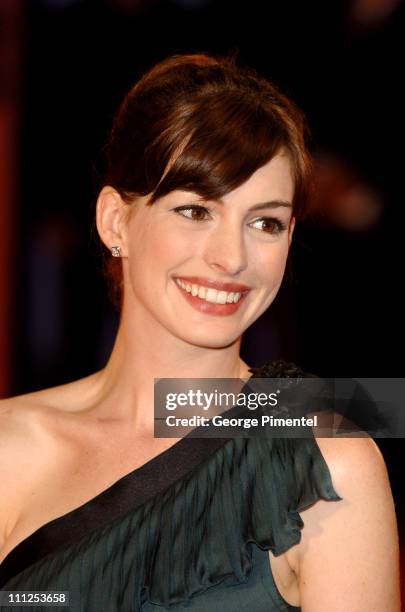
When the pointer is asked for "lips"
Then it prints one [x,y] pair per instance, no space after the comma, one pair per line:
[208,307]
[214,284]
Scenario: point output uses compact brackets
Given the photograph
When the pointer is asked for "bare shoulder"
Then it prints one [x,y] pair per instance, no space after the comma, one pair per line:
[24,426]
[67,397]
[21,444]
[20,427]
[348,558]
[350,456]
[34,435]
[33,423]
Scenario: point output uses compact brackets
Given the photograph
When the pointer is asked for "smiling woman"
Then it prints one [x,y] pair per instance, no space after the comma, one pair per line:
[206,174]
[210,255]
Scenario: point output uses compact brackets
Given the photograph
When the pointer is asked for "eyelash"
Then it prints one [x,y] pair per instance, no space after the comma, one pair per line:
[280,226]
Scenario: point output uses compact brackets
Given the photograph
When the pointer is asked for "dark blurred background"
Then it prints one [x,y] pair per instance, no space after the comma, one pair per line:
[65,66]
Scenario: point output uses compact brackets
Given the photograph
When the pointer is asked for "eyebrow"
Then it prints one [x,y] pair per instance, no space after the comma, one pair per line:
[263,205]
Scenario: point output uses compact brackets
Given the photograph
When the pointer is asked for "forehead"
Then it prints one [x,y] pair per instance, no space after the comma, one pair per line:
[274,180]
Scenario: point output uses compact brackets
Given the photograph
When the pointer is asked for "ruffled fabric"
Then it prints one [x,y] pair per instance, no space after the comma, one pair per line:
[196,534]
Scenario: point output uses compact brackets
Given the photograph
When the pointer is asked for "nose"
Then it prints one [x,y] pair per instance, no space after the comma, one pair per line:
[225,251]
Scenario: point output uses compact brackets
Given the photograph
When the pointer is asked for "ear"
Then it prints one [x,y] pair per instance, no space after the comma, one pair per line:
[291,227]
[111,214]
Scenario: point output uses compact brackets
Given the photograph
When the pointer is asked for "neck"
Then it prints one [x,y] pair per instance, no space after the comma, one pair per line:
[144,350]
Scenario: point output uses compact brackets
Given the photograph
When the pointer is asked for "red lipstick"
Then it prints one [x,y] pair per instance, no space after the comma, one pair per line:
[210,308]
[215,284]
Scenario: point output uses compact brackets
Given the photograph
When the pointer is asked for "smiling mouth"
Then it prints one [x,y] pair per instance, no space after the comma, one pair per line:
[211,295]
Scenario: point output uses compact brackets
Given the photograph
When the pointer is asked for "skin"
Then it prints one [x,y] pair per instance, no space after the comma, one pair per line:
[91,432]
[348,558]
[159,331]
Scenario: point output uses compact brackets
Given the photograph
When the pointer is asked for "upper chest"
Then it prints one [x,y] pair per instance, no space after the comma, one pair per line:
[83,461]
[71,466]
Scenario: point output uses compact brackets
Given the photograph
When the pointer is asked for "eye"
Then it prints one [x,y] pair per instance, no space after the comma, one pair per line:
[193,212]
[196,212]
[269,225]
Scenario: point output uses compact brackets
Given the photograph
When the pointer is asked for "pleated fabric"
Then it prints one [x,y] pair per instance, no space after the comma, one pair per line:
[197,538]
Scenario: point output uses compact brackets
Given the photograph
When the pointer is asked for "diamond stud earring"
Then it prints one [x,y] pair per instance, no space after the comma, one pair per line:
[116,251]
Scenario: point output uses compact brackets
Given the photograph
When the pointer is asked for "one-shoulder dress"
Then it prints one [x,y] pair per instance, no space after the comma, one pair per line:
[189,529]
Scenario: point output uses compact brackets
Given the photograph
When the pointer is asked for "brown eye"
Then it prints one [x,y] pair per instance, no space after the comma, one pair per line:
[269,225]
[198,214]
[194,213]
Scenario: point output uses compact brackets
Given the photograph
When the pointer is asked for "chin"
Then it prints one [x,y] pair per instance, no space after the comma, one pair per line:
[207,340]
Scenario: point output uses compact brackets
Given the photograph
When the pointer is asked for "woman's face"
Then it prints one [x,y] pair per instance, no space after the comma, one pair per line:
[206,270]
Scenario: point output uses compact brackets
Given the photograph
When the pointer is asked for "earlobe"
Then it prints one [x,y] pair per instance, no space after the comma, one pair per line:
[110,216]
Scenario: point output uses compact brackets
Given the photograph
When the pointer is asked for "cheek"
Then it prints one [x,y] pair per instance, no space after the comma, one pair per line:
[271,263]
[167,251]
[158,250]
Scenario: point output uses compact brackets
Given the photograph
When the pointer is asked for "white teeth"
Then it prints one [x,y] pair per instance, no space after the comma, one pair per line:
[209,294]
[201,292]
[221,297]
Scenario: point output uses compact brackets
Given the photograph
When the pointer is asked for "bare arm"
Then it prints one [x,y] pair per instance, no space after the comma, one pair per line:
[348,559]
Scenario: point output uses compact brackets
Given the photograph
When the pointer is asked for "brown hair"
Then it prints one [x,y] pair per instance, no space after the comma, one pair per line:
[200,123]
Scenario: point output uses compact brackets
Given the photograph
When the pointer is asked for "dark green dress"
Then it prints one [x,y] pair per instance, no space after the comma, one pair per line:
[190,529]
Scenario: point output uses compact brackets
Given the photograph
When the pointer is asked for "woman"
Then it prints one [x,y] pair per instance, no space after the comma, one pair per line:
[206,174]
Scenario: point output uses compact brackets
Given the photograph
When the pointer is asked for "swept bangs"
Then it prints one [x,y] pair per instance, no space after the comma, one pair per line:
[201,123]
[222,142]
